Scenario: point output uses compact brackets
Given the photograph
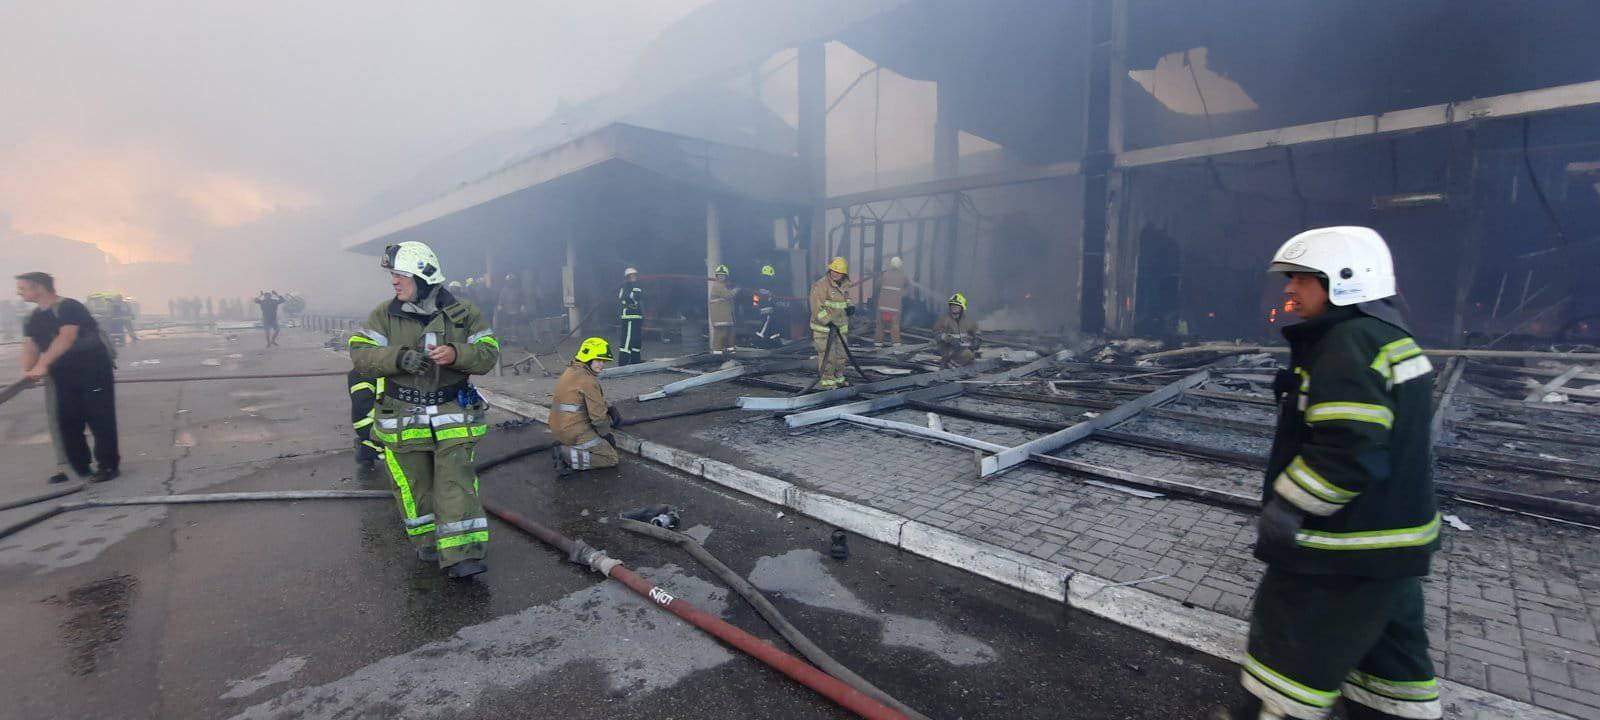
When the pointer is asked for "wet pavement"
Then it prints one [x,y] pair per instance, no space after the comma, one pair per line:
[318,609]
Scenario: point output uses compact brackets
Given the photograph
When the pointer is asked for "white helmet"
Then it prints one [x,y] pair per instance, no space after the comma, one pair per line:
[630,271]
[894,262]
[414,259]
[1355,260]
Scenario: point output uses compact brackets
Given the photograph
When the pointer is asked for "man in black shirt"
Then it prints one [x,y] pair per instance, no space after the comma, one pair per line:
[65,343]
[269,300]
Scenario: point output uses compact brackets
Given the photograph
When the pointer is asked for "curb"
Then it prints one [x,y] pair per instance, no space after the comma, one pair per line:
[1206,631]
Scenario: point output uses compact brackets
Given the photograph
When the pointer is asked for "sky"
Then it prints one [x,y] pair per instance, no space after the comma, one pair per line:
[150,128]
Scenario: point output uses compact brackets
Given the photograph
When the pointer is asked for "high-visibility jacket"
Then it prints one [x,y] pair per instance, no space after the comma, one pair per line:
[578,406]
[364,394]
[828,302]
[630,298]
[720,303]
[375,352]
[891,289]
[1353,446]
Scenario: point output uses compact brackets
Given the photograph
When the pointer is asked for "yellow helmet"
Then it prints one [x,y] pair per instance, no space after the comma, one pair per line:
[721,270]
[595,348]
[838,265]
[959,299]
[769,271]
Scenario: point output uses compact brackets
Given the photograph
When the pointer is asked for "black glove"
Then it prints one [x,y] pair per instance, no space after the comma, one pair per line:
[615,415]
[413,361]
[1279,522]
[849,311]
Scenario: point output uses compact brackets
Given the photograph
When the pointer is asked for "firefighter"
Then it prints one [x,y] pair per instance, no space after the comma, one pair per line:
[579,416]
[630,301]
[957,334]
[425,344]
[766,304]
[364,394]
[719,307]
[830,323]
[1349,521]
[892,284]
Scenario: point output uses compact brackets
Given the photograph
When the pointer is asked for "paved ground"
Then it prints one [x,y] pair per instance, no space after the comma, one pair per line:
[312,610]
[1514,604]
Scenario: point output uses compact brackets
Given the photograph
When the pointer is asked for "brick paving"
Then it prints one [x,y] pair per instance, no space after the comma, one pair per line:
[1513,605]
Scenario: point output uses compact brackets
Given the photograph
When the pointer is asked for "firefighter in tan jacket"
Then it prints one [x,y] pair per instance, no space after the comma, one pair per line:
[830,306]
[579,416]
[956,335]
[892,286]
[719,306]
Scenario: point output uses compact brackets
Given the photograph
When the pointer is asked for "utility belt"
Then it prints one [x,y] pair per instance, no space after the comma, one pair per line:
[413,396]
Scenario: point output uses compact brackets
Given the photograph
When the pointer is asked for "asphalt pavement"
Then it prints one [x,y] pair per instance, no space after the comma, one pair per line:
[319,610]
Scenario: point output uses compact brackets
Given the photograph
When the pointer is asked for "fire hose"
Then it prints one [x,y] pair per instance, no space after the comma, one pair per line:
[580,553]
[764,607]
[180,500]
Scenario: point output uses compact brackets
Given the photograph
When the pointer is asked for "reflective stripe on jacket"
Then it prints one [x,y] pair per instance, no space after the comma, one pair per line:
[578,406]
[1353,447]
[828,302]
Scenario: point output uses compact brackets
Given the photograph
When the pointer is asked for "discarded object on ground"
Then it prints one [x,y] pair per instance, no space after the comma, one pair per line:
[663,516]
[839,545]
[1457,523]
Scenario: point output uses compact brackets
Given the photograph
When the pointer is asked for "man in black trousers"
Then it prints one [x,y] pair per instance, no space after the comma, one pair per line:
[65,343]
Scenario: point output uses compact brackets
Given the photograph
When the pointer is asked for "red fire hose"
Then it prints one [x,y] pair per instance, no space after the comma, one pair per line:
[797,669]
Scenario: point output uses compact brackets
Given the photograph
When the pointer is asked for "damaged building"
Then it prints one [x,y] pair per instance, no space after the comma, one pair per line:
[1073,168]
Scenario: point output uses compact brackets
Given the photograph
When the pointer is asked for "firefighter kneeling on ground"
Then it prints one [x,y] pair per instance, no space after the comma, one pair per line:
[579,416]
[1349,522]
[957,335]
[425,344]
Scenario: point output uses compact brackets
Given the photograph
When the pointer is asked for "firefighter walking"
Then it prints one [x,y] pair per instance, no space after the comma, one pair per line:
[892,284]
[364,393]
[1349,522]
[956,334]
[766,304]
[630,299]
[425,344]
[830,323]
[719,307]
[579,416]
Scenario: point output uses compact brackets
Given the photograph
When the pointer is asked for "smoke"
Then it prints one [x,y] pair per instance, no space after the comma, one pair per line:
[181,135]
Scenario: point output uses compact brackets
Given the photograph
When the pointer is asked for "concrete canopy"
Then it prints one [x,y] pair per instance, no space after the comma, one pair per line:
[704,166]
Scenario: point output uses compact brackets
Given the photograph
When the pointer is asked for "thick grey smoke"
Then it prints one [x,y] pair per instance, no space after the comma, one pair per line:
[175,132]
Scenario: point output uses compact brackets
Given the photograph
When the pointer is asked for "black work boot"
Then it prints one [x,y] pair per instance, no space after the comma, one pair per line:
[466,569]
[428,554]
[58,478]
[104,474]
[559,462]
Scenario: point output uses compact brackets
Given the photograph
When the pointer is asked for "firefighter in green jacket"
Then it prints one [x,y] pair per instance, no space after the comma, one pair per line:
[424,344]
[1349,521]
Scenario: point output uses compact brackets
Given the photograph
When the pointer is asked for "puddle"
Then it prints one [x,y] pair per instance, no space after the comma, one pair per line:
[801,575]
[636,649]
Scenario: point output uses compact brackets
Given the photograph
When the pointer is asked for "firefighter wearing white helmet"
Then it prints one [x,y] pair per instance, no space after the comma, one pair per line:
[892,284]
[580,418]
[1349,520]
[630,301]
[424,344]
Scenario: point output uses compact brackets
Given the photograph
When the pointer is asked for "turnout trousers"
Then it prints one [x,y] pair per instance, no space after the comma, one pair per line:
[631,348]
[830,362]
[1316,637]
[590,454]
[430,458]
